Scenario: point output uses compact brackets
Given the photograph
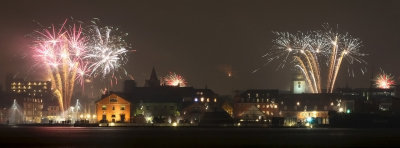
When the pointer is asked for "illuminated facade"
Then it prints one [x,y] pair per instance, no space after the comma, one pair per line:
[30,88]
[30,95]
[299,85]
[113,108]
[32,109]
[265,106]
[256,105]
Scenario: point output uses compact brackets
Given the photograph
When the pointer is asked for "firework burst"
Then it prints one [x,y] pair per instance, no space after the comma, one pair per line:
[384,81]
[71,54]
[173,79]
[307,50]
[108,52]
[60,50]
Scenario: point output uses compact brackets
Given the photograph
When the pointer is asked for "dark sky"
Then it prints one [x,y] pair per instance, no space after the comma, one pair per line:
[203,39]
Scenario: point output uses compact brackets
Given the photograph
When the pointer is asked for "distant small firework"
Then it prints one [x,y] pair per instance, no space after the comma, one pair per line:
[384,81]
[173,79]
[226,69]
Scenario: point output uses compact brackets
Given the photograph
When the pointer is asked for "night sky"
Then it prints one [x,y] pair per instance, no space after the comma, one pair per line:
[204,40]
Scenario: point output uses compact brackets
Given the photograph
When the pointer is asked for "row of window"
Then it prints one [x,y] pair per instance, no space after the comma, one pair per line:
[202,99]
[29,83]
[104,107]
[267,106]
[257,95]
[24,87]
[258,100]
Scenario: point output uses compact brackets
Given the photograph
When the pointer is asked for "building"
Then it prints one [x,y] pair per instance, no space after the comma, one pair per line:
[30,95]
[309,109]
[370,100]
[298,84]
[113,108]
[161,104]
[51,111]
[267,106]
[256,105]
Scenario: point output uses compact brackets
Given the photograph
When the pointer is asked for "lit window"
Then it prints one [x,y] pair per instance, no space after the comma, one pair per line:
[275,106]
[202,99]
[215,99]
[113,99]
[208,99]
[103,107]
[298,103]
[258,106]
[196,100]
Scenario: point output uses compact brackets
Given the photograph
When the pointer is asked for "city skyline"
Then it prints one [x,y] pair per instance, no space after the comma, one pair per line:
[213,44]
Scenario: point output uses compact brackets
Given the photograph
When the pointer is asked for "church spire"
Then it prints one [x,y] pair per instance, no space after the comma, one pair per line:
[153,81]
[153,75]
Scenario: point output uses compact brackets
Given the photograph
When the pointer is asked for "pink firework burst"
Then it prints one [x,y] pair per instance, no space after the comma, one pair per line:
[384,81]
[173,79]
[61,51]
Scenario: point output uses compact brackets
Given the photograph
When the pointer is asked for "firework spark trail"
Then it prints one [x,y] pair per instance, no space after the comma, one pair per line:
[316,71]
[308,48]
[313,70]
[305,72]
[337,67]
[332,64]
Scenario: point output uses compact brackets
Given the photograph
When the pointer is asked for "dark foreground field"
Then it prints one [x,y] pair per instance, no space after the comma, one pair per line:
[195,137]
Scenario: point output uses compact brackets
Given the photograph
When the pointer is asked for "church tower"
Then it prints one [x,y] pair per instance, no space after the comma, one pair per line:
[153,81]
[298,84]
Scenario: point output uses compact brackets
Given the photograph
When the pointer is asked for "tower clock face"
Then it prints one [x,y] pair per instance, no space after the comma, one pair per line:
[299,87]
